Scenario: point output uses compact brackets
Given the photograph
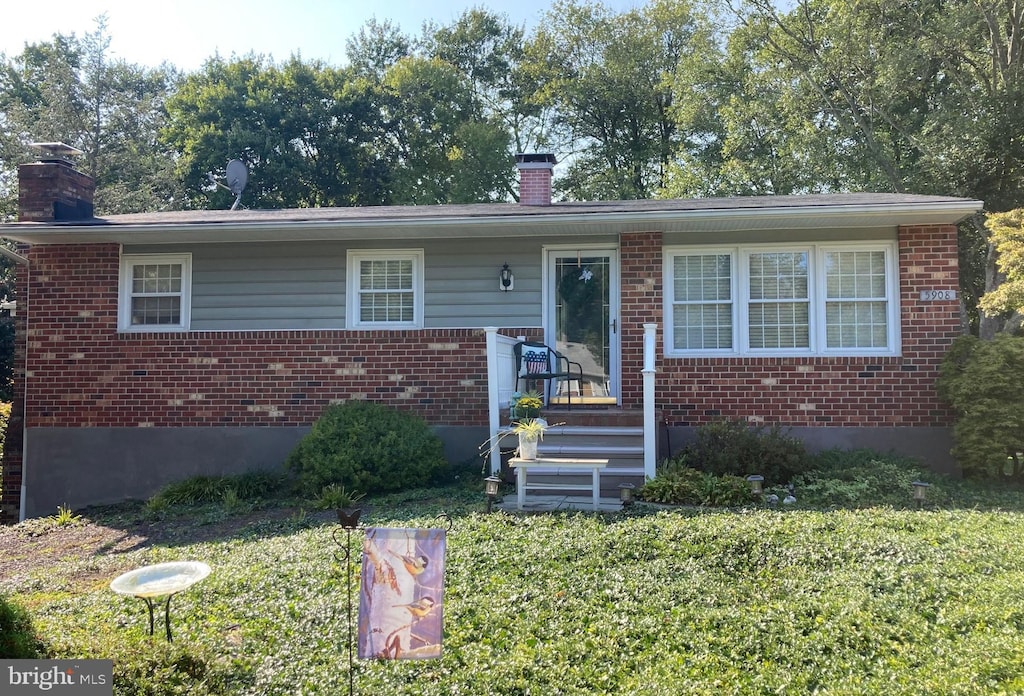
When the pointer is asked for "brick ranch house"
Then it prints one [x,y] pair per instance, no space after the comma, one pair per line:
[158,346]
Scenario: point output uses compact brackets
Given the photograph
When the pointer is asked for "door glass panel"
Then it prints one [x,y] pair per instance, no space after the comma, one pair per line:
[582,323]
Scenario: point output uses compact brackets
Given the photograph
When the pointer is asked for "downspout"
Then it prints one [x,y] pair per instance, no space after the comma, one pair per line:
[25,399]
[21,260]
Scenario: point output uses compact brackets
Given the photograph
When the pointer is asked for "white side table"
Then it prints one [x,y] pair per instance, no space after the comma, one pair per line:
[564,465]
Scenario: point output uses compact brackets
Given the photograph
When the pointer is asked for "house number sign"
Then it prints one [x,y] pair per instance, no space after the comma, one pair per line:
[932,295]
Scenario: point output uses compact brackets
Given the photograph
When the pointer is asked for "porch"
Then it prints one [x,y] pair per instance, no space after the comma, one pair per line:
[627,438]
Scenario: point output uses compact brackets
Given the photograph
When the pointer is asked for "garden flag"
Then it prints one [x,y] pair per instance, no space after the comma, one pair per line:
[401,597]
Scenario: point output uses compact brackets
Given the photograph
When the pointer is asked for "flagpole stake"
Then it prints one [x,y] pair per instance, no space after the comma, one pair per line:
[346,556]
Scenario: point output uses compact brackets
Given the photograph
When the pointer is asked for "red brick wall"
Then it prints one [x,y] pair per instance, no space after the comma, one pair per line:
[535,186]
[83,373]
[640,281]
[811,391]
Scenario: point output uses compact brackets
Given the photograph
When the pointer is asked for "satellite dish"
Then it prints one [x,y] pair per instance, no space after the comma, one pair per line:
[237,177]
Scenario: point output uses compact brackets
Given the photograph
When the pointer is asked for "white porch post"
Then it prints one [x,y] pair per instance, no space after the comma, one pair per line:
[493,414]
[650,427]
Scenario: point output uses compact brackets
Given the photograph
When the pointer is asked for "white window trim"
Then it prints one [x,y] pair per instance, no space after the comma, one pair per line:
[740,255]
[124,301]
[668,283]
[892,289]
[355,256]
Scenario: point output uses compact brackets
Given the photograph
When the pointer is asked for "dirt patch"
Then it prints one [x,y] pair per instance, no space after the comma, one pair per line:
[43,543]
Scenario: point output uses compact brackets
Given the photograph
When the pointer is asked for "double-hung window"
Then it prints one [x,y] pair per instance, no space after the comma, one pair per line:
[778,300]
[702,309]
[818,299]
[155,292]
[856,299]
[385,288]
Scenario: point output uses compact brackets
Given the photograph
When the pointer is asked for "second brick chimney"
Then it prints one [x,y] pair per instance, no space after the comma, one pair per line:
[52,189]
[535,178]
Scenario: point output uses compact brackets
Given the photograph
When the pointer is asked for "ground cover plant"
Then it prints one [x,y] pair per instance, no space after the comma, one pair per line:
[859,599]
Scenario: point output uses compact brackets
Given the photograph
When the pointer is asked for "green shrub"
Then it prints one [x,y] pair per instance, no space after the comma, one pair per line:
[250,486]
[737,448]
[679,484]
[984,383]
[5,417]
[18,640]
[367,447]
[259,485]
[859,478]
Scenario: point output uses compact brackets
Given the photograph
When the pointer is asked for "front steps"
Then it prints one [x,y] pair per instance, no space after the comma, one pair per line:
[612,434]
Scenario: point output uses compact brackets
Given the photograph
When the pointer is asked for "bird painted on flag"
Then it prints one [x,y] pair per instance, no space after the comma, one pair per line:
[415,565]
[420,608]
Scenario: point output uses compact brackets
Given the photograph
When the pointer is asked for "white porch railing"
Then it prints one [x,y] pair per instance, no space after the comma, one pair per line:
[501,382]
[650,427]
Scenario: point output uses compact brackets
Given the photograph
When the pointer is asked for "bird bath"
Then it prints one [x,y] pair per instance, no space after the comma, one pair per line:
[162,579]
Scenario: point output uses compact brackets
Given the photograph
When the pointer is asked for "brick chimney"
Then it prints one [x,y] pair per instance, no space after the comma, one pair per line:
[535,178]
[52,190]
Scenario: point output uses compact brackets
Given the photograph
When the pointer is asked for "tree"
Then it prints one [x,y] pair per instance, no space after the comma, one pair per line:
[306,132]
[377,47]
[69,90]
[609,78]
[442,148]
[490,54]
[747,129]
[1006,233]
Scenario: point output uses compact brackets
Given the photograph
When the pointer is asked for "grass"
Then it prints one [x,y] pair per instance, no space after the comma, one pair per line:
[850,600]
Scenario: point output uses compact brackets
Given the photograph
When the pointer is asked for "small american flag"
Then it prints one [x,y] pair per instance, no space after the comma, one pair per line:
[536,362]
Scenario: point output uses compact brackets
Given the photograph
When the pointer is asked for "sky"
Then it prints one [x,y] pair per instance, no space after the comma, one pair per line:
[187,32]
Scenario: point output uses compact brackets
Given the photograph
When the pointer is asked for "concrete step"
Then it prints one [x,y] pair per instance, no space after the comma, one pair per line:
[621,445]
[610,479]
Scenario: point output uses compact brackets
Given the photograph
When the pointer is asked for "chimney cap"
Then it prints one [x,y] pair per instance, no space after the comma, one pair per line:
[536,158]
[59,151]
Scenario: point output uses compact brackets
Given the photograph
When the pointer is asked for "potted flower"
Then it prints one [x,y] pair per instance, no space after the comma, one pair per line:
[530,432]
[336,497]
[526,405]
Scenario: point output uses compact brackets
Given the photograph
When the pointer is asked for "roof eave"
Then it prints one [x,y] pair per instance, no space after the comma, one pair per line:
[567,224]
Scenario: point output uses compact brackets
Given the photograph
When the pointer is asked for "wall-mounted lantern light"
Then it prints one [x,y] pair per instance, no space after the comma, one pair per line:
[505,279]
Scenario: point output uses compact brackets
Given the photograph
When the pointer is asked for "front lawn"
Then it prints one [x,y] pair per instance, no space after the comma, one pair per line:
[878,600]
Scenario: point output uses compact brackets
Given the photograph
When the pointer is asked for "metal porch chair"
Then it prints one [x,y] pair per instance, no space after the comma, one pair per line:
[537,361]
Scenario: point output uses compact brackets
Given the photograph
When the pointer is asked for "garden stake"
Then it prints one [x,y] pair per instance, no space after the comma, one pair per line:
[345,556]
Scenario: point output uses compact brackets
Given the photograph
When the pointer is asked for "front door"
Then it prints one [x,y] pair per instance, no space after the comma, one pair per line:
[582,318]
